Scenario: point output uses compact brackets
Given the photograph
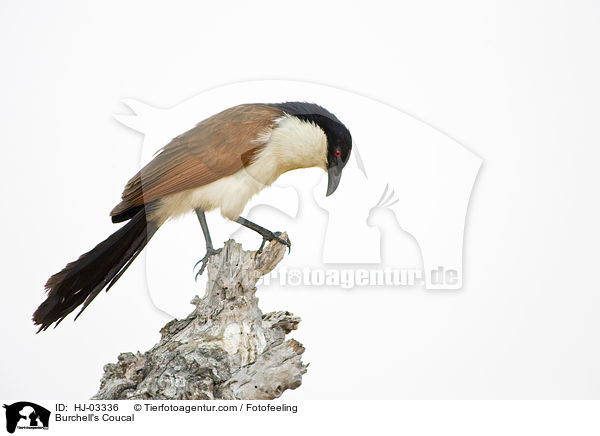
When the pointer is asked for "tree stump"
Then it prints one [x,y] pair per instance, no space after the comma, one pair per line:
[225,349]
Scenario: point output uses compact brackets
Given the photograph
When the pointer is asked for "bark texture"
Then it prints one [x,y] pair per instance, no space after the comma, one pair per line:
[225,349]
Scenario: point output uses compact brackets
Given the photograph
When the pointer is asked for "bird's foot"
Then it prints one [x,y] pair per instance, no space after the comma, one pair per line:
[270,236]
[204,261]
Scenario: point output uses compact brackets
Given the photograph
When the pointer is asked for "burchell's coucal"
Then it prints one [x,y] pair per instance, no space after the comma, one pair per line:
[220,163]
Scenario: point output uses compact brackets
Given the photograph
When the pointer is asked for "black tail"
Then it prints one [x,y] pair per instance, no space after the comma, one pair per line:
[80,281]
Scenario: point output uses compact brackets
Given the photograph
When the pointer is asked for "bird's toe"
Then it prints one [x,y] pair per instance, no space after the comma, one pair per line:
[204,261]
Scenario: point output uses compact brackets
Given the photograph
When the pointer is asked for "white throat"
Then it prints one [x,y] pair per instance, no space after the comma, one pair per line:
[294,144]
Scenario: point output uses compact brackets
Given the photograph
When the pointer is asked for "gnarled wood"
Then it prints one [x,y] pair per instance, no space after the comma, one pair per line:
[225,349]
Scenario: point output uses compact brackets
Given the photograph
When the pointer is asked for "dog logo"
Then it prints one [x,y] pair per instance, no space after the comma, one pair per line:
[26,415]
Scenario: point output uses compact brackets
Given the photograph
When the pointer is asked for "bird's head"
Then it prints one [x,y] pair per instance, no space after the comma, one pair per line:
[339,140]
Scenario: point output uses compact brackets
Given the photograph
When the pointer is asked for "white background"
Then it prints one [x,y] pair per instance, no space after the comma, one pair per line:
[515,82]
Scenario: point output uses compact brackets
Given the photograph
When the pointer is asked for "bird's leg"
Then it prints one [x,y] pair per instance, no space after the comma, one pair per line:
[266,234]
[209,247]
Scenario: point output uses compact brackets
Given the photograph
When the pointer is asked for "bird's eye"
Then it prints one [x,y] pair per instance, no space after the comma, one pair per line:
[338,153]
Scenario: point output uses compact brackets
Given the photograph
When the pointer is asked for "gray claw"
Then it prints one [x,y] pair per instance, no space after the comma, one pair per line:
[204,261]
[287,243]
[269,238]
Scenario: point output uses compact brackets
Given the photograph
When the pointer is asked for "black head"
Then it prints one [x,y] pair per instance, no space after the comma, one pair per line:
[339,140]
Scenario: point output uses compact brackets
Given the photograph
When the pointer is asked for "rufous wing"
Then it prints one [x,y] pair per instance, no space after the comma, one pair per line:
[216,147]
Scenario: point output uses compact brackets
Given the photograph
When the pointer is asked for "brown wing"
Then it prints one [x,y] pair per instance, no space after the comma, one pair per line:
[217,147]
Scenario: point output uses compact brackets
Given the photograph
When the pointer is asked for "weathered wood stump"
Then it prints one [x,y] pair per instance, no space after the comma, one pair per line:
[225,349]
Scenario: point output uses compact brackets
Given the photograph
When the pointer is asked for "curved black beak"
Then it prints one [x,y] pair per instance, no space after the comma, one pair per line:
[334,174]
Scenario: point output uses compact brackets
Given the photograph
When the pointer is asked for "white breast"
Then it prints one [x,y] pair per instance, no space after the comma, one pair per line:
[290,145]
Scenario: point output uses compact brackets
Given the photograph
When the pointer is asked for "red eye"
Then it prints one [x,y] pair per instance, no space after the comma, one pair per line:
[338,153]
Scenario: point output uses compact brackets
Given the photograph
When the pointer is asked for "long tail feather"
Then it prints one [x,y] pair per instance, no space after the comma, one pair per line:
[81,281]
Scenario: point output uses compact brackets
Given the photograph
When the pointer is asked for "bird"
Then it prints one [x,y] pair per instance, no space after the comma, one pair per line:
[220,163]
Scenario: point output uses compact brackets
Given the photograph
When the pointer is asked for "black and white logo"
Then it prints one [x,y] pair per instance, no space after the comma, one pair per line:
[26,415]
